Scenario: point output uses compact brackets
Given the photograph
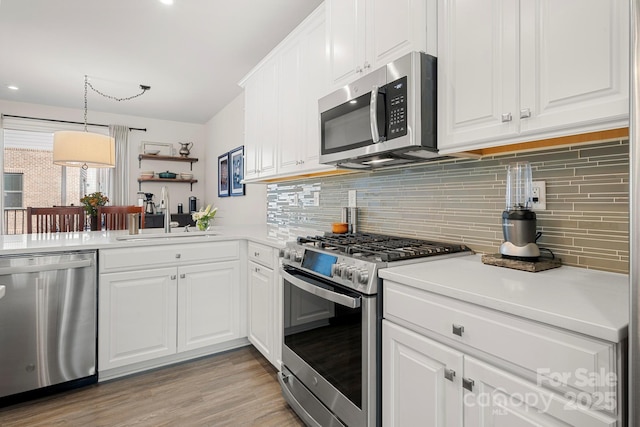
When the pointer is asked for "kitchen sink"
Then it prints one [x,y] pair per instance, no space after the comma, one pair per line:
[175,235]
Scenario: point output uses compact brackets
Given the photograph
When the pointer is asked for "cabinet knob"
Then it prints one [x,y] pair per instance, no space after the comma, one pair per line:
[457,330]
[525,113]
[468,383]
[173,277]
[182,276]
[257,270]
[506,117]
[178,255]
[449,374]
[359,69]
[256,254]
[367,65]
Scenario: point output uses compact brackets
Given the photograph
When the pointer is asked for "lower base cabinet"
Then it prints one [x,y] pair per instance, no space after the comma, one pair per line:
[448,363]
[148,314]
[428,383]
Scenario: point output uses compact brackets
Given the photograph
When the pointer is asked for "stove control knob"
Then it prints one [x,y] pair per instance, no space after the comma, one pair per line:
[361,277]
[347,273]
[295,256]
[337,269]
[284,253]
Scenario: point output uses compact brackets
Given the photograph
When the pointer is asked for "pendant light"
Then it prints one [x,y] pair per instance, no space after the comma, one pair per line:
[83,148]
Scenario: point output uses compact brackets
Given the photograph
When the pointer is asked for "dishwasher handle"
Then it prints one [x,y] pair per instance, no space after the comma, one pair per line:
[36,268]
[2,289]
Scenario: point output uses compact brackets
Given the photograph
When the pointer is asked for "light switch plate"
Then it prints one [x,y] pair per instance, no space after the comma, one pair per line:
[539,193]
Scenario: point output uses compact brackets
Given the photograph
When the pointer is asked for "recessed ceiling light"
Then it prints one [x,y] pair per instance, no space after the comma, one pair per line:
[169,2]
[12,87]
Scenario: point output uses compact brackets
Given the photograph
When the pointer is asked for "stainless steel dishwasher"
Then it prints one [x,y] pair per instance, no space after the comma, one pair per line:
[48,312]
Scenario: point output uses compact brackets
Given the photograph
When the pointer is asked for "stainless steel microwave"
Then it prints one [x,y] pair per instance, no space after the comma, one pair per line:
[386,118]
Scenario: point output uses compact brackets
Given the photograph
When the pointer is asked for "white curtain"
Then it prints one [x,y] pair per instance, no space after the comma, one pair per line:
[115,181]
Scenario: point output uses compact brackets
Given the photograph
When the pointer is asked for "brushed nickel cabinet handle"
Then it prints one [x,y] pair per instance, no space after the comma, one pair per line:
[506,117]
[449,374]
[468,383]
[525,113]
[457,329]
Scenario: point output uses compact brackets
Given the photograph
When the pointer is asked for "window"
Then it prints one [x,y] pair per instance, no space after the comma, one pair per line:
[13,191]
[31,178]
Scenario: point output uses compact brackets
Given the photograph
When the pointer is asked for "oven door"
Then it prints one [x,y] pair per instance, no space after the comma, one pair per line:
[331,347]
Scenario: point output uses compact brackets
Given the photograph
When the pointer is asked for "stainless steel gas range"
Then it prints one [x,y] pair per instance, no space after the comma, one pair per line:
[332,322]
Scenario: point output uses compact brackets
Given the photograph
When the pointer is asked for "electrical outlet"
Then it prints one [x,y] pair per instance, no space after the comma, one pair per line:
[316,198]
[352,198]
[539,195]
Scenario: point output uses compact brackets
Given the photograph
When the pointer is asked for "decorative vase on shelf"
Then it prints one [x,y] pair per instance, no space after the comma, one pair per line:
[93,222]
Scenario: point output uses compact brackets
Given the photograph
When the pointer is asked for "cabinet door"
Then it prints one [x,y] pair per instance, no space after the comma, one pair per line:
[261,310]
[415,389]
[315,84]
[291,114]
[498,398]
[575,61]
[261,121]
[252,142]
[208,304]
[137,316]
[395,28]
[346,41]
[477,71]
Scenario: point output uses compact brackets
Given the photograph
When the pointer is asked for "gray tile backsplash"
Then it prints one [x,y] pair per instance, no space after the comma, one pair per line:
[585,224]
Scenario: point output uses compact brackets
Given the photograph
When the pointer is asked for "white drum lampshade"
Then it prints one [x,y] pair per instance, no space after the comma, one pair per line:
[83,149]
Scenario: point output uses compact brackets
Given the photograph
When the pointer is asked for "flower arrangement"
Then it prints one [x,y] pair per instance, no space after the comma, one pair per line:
[90,202]
[202,217]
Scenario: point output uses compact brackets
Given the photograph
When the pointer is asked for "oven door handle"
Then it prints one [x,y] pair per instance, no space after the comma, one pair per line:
[341,299]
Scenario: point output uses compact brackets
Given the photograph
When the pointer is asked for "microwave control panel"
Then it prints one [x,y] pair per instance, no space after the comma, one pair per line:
[396,95]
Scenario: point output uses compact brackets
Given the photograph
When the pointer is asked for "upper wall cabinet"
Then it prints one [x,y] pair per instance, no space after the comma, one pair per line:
[282,136]
[363,35]
[512,71]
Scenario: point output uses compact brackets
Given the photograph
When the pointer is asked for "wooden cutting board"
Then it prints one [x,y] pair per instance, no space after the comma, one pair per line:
[540,265]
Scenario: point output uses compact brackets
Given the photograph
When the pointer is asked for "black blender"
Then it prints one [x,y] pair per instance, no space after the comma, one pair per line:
[518,220]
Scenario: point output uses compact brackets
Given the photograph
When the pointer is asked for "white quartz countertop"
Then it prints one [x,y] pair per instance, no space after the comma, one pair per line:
[587,301]
[48,242]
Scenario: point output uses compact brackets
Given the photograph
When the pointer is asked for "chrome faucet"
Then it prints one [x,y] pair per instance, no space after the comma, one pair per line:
[164,201]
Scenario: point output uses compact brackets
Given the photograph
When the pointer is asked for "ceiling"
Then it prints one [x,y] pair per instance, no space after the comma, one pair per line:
[192,53]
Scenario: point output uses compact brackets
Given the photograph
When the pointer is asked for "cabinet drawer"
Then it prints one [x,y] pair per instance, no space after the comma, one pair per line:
[556,357]
[262,254]
[132,258]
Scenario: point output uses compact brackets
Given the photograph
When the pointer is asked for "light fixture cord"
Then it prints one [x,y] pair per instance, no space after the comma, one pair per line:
[128,98]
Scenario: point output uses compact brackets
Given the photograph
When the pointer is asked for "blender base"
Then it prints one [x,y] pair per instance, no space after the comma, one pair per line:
[529,252]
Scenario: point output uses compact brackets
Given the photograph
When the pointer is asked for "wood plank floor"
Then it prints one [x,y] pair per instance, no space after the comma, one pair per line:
[237,388]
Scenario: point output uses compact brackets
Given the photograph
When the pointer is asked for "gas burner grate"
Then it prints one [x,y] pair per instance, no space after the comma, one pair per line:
[383,247]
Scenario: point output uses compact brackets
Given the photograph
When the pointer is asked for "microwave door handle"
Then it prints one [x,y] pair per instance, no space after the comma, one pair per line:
[373,116]
[323,293]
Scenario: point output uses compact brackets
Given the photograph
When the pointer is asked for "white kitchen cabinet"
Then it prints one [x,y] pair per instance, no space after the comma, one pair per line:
[261,118]
[494,397]
[208,304]
[265,307]
[461,364]
[137,316]
[282,136]
[190,303]
[363,35]
[513,72]
[303,80]
[421,380]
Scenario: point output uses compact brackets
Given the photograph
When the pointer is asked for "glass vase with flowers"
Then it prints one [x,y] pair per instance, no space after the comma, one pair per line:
[90,203]
[204,217]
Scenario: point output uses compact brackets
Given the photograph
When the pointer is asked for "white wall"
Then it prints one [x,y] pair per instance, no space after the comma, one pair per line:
[157,131]
[223,133]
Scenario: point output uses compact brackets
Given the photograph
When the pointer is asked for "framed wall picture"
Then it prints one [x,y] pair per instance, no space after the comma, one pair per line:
[236,171]
[223,175]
